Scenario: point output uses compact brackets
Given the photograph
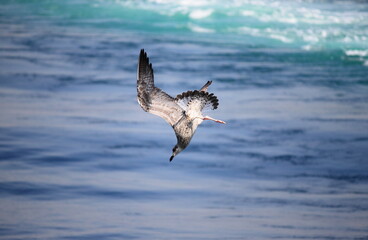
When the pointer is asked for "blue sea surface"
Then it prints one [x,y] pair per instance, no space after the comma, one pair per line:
[79,158]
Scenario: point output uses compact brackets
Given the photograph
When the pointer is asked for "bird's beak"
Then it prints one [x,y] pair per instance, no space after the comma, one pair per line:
[172,157]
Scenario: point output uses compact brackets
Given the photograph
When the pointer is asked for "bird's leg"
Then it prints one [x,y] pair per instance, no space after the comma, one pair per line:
[216,120]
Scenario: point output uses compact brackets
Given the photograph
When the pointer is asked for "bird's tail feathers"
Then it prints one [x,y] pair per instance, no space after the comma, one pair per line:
[207,99]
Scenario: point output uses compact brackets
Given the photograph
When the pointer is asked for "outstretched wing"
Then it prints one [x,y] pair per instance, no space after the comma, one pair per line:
[151,98]
[193,102]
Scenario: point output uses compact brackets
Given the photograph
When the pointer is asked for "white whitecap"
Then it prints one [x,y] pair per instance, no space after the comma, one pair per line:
[360,53]
[250,31]
[199,29]
[185,3]
[199,13]
[281,38]
[290,20]
[248,13]
[310,38]
[307,47]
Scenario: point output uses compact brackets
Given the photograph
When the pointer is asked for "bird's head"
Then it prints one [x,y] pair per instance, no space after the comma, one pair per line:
[176,150]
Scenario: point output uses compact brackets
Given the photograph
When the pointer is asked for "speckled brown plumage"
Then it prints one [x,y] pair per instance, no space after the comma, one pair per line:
[183,113]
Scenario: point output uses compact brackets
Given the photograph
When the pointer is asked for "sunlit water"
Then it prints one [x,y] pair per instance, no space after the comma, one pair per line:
[79,159]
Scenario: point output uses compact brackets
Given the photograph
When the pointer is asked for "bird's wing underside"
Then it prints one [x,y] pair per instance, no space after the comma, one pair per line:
[151,98]
[197,100]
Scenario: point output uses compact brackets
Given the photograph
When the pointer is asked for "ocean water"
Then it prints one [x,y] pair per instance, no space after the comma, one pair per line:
[79,159]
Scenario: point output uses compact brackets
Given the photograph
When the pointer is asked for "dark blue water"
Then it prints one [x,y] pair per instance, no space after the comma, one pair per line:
[79,159]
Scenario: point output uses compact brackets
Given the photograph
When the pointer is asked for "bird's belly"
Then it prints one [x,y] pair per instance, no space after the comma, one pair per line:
[184,132]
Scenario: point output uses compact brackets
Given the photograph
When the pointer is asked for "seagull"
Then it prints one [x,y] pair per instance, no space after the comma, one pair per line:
[183,113]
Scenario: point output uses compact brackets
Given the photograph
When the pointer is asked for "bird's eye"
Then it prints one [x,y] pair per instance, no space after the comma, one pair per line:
[175,148]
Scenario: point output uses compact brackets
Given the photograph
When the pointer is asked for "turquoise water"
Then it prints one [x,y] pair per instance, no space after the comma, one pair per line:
[79,159]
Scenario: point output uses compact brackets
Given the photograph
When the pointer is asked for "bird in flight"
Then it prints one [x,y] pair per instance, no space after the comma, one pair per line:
[183,113]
